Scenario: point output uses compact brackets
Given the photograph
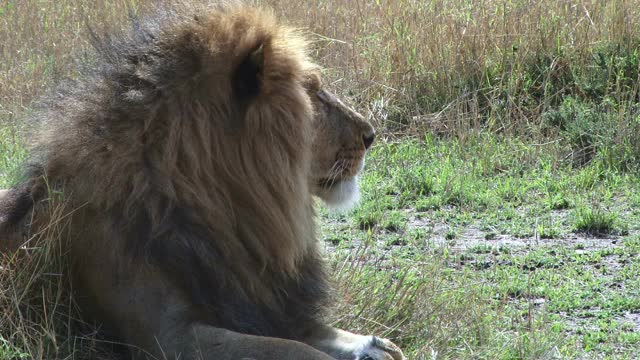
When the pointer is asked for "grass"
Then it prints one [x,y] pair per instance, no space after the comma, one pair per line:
[39,316]
[499,216]
[11,153]
[598,222]
[534,69]
[499,273]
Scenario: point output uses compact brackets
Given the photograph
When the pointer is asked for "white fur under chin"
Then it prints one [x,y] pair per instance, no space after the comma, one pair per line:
[342,195]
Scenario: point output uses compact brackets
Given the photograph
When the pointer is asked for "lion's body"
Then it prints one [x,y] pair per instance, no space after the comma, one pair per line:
[186,160]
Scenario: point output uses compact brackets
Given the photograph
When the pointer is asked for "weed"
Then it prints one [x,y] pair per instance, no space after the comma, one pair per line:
[394,221]
[559,202]
[8,351]
[429,203]
[548,230]
[450,234]
[598,221]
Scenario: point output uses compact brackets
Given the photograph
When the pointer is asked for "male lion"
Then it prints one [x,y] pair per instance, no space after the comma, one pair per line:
[189,157]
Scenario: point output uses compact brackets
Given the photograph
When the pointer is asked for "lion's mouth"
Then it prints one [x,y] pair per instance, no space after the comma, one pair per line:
[340,188]
[328,183]
[341,171]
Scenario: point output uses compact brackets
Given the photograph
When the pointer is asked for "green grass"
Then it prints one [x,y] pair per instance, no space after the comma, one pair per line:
[598,222]
[8,351]
[500,271]
[12,152]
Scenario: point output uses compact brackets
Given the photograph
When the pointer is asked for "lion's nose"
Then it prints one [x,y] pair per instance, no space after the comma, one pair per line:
[368,139]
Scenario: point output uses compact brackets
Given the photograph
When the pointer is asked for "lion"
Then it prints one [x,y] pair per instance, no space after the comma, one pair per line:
[191,154]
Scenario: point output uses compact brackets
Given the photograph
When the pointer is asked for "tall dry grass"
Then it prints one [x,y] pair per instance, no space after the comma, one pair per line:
[458,64]
[41,41]
[39,317]
[455,64]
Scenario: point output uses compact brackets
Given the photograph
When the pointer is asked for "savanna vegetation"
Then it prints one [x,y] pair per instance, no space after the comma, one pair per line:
[500,215]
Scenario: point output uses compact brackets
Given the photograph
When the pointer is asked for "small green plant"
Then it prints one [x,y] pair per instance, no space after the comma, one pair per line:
[450,234]
[8,351]
[598,221]
[547,231]
[490,235]
[428,204]
[12,152]
[394,221]
[417,181]
[559,202]
[480,249]
[367,220]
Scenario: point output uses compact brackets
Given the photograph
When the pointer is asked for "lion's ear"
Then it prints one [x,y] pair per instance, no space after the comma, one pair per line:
[247,80]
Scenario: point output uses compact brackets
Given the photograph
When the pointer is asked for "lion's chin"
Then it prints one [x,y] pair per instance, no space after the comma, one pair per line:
[342,194]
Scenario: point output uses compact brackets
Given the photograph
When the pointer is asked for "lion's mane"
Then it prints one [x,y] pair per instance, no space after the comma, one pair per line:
[190,142]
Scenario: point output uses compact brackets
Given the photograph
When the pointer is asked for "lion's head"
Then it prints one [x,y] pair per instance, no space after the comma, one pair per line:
[341,138]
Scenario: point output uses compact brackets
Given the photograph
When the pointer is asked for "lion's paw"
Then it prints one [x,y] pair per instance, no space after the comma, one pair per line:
[375,348]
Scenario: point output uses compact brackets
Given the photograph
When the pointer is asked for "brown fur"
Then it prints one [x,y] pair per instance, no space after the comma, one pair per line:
[186,156]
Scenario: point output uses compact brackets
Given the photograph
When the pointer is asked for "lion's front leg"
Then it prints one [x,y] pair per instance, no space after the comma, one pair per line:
[343,345]
[209,343]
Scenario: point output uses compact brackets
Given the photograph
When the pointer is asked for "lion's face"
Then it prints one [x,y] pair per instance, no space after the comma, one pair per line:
[341,139]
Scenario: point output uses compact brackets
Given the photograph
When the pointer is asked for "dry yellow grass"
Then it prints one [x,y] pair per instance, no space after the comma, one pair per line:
[450,59]
[404,59]
[40,41]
